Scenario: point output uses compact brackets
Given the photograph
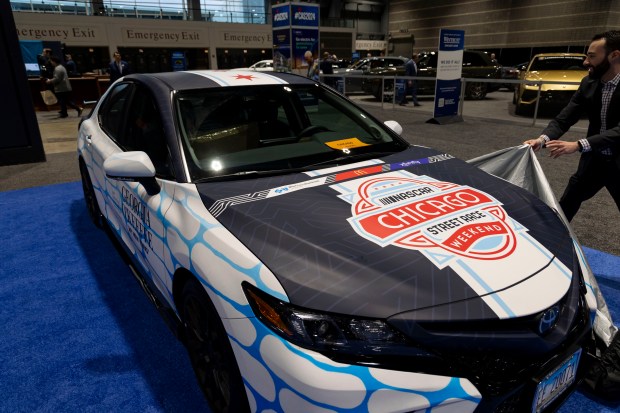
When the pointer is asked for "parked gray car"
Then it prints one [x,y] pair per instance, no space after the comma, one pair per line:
[353,74]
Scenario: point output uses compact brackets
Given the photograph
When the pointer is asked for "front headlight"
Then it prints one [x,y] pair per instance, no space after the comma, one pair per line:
[323,331]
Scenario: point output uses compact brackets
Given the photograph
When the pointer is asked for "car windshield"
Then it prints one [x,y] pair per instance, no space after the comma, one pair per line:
[358,64]
[240,130]
[557,63]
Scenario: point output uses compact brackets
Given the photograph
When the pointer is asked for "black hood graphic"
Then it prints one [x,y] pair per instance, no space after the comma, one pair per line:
[306,239]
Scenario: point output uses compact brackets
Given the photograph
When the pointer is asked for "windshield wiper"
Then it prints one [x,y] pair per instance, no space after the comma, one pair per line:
[355,157]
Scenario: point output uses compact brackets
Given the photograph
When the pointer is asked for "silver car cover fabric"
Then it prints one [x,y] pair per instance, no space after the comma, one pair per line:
[519,166]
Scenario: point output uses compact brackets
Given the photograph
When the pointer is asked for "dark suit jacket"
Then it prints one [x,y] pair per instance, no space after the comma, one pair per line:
[587,99]
[410,68]
[115,73]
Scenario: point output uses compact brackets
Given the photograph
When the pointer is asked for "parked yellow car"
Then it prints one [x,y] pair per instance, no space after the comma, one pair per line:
[549,67]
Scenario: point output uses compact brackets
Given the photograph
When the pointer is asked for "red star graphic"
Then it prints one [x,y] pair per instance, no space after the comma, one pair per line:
[247,77]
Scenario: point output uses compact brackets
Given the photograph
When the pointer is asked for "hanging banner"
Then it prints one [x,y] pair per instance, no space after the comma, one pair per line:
[304,40]
[282,50]
[179,62]
[295,28]
[449,68]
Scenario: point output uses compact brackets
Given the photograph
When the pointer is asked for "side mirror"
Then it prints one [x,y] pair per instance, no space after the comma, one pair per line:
[135,166]
[395,126]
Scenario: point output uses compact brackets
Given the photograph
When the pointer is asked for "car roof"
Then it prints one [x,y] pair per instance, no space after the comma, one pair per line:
[205,79]
[385,57]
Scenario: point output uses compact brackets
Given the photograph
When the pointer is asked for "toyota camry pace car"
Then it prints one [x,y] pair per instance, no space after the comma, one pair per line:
[311,260]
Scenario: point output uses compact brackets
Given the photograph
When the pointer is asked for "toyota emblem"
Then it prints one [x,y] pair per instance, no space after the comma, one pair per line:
[548,319]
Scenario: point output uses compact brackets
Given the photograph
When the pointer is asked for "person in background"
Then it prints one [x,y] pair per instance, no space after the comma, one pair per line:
[494,59]
[62,88]
[71,66]
[313,67]
[118,68]
[327,69]
[45,66]
[598,96]
[411,69]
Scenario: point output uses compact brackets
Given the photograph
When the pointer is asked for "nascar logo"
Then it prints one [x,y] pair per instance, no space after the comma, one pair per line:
[419,213]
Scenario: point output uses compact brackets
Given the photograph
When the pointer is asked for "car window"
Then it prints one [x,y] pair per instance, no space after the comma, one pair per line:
[228,130]
[541,63]
[428,61]
[145,132]
[112,111]
[394,62]
[474,59]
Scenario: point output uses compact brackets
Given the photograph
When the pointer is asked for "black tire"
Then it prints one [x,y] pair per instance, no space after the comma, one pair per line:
[475,91]
[376,90]
[515,96]
[210,352]
[89,197]
[522,110]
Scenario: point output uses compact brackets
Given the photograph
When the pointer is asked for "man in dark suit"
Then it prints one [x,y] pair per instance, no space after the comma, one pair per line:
[599,97]
[411,85]
[118,68]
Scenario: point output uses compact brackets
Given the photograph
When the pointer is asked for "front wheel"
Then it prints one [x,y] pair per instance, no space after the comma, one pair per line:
[89,196]
[210,352]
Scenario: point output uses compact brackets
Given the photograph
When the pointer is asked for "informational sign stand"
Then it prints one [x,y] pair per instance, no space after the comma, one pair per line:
[295,28]
[449,70]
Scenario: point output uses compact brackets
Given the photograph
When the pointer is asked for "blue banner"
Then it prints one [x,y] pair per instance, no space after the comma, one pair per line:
[304,40]
[179,63]
[295,28]
[281,16]
[282,50]
[449,70]
[305,15]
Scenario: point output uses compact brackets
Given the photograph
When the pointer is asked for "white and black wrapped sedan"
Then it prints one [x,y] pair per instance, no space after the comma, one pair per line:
[311,260]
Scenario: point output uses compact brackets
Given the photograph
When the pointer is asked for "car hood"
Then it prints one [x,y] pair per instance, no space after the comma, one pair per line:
[557,76]
[417,232]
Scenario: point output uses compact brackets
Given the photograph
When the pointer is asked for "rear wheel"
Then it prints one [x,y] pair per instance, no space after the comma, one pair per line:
[210,352]
[89,196]
[475,91]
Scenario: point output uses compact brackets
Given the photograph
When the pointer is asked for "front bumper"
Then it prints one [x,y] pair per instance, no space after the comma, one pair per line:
[283,377]
[548,97]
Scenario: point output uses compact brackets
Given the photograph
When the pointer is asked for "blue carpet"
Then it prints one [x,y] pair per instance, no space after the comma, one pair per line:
[80,336]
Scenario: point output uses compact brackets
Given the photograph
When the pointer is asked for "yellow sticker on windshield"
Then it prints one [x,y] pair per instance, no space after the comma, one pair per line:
[346,143]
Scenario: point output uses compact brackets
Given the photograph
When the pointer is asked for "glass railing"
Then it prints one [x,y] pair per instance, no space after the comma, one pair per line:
[214,11]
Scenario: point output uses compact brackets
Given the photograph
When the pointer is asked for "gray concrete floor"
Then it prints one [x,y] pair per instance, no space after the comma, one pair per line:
[487,126]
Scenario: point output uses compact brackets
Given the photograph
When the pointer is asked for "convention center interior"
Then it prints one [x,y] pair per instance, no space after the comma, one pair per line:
[231,206]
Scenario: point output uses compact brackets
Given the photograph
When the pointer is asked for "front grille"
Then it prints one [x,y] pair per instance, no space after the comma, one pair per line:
[511,405]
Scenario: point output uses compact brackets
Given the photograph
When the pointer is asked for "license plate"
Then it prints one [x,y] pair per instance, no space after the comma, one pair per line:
[556,382]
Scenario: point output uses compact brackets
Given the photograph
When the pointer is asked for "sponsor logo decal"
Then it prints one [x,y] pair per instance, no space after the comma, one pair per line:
[304,15]
[421,213]
[460,227]
[138,219]
[278,17]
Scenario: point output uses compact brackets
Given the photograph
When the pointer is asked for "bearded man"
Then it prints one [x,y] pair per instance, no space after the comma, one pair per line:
[599,97]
